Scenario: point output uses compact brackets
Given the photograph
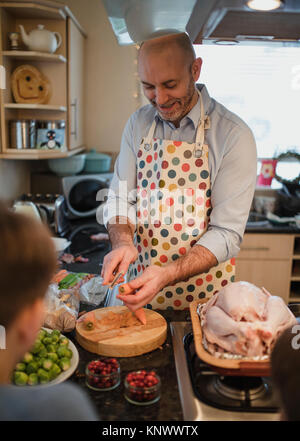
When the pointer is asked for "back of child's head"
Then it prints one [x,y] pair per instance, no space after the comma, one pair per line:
[27,263]
[285,362]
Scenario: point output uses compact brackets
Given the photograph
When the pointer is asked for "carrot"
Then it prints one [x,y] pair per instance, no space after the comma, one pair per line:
[59,276]
[140,313]
[125,289]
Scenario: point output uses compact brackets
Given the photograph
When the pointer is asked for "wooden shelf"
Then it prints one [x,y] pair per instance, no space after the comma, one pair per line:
[35,107]
[38,154]
[35,56]
[34,10]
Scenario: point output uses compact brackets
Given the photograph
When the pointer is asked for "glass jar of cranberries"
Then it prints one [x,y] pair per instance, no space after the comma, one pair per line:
[142,387]
[103,374]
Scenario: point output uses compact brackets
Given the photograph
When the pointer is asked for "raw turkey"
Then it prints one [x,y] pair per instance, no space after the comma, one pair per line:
[244,319]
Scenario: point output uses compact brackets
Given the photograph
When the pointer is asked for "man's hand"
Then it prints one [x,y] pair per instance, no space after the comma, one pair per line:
[153,279]
[118,260]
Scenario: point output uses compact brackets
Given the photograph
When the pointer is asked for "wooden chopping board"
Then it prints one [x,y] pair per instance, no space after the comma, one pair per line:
[123,342]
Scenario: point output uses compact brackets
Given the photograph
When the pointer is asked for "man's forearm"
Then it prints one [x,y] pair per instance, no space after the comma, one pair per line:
[120,232]
[198,260]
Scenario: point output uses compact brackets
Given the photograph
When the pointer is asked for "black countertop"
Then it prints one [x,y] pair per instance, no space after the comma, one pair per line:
[112,405]
[270,228]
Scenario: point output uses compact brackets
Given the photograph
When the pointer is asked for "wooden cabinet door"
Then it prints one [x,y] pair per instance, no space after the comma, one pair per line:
[274,275]
[76,62]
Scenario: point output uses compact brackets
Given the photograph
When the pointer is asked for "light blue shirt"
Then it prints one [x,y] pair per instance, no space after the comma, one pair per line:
[232,166]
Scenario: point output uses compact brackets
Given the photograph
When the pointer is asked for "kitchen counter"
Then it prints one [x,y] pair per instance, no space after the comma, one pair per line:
[112,405]
[269,228]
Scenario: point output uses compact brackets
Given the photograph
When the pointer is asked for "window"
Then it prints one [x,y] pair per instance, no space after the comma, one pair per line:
[262,86]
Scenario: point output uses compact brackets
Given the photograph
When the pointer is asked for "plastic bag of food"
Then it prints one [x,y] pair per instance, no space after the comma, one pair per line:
[62,307]
[93,292]
[63,300]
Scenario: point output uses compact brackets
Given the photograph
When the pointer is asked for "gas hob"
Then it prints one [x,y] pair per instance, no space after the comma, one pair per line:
[208,396]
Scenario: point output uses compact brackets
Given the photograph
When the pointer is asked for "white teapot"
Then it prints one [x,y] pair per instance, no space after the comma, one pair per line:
[41,39]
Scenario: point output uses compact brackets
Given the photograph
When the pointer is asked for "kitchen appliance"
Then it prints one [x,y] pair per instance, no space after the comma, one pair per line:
[207,396]
[27,208]
[22,134]
[51,209]
[222,21]
[82,194]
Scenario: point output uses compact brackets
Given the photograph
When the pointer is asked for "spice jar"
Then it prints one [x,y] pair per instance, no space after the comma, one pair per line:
[142,387]
[103,374]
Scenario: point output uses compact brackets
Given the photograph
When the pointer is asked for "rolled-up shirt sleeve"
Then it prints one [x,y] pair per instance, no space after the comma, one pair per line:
[121,198]
[231,195]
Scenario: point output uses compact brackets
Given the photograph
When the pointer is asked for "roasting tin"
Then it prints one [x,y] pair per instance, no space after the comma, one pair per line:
[230,364]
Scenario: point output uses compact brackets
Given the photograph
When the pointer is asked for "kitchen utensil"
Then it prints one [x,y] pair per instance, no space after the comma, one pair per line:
[122,342]
[67,166]
[97,162]
[240,367]
[22,134]
[41,39]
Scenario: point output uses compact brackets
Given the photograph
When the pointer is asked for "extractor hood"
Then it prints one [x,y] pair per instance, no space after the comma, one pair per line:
[221,21]
[206,21]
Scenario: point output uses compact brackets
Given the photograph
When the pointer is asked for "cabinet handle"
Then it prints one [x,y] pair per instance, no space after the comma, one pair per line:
[255,249]
[74,106]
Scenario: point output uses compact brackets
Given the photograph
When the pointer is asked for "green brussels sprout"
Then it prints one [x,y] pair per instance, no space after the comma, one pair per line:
[52,356]
[64,341]
[55,338]
[32,367]
[33,379]
[39,362]
[64,363]
[55,332]
[54,371]
[43,353]
[36,347]
[43,376]
[41,334]
[51,348]
[20,378]
[47,341]
[62,351]
[21,367]
[47,364]
[27,357]
[69,353]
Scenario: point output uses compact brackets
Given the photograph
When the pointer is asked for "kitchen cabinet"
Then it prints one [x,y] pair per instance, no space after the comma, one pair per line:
[272,261]
[64,69]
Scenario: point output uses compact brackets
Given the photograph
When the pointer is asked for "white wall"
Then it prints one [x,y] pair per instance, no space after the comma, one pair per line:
[110,80]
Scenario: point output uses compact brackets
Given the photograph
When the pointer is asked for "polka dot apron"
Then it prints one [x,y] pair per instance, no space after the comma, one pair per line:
[173,209]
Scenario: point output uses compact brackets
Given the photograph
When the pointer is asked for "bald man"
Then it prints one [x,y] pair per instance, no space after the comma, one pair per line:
[182,187]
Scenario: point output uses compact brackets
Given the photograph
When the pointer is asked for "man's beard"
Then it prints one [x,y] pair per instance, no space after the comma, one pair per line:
[185,105]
